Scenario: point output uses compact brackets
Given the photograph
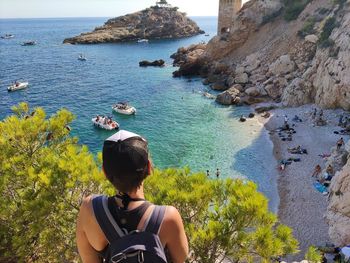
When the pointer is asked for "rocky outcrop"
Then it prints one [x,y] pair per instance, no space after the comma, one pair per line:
[229,97]
[338,212]
[296,63]
[151,23]
[155,63]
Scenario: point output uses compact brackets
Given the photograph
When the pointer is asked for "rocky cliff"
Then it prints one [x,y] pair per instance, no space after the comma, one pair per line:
[277,54]
[151,23]
[338,215]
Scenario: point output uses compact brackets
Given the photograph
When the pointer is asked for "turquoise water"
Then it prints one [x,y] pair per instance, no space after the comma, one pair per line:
[183,128]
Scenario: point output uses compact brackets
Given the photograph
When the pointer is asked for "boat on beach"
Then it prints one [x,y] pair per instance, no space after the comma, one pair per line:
[17,86]
[124,108]
[7,36]
[104,122]
[29,43]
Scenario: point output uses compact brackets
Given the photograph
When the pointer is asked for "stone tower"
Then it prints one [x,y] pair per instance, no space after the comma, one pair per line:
[227,11]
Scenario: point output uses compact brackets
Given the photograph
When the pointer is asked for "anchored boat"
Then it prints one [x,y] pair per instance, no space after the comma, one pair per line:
[106,123]
[18,86]
[124,108]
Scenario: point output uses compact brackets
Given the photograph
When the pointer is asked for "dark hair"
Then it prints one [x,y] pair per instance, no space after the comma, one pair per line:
[125,163]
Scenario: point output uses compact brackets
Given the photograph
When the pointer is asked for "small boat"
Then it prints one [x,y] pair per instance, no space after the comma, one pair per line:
[18,86]
[143,40]
[124,108]
[207,35]
[106,123]
[8,36]
[29,43]
[82,57]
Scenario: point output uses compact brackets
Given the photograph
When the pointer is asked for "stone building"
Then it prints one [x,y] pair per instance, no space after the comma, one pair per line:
[227,11]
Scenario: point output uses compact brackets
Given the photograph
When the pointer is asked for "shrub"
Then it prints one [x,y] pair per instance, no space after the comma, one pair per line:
[293,8]
[270,18]
[222,217]
[308,27]
[313,255]
[44,174]
[328,27]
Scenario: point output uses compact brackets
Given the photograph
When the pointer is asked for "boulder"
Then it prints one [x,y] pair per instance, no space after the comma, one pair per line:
[273,91]
[311,38]
[282,66]
[220,86]
[155,63]
[228,97]
[253,92]
[241,78]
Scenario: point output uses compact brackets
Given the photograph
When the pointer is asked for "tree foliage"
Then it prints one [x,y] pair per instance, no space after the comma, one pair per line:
[223,218]
[313,255]
[44,174]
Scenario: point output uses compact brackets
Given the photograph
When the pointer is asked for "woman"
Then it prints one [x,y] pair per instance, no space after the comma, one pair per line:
[126,164]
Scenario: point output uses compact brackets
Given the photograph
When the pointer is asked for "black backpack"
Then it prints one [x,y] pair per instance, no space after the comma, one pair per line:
[136,246]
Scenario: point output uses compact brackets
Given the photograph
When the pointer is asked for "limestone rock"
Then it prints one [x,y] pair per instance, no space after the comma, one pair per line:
[297,93]
[252,91]
[228,97]
[220,86]
[151,23]
[242,78]
[311,38]
[282,65]
[338,212]
[155,63]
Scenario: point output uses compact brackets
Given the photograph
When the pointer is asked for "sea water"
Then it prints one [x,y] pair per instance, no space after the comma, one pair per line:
[183,127]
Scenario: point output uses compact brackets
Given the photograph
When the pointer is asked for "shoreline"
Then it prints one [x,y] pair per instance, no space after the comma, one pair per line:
[300,206]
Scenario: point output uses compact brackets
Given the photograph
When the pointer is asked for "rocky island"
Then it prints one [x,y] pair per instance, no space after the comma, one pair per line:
[156,22]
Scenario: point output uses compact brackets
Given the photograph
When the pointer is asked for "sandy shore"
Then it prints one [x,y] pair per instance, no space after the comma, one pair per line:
[301,206]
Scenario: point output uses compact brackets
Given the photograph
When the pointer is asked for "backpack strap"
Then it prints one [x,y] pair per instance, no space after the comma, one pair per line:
[105,219]
[155,220]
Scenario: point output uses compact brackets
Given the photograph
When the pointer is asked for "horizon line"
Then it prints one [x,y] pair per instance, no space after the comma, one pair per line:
[63,17]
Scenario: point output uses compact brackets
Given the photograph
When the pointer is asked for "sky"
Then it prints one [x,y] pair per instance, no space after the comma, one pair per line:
[97,8]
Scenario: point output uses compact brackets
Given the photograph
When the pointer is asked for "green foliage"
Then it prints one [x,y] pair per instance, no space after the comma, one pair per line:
[293,8]
[308,27]
[328,27]
[270,18]
[313,255]
[222,217]
[43,177]
[45,173]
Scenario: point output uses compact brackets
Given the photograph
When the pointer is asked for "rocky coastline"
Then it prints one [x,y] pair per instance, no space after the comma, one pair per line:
[266,59]
[259,60]
[151,23]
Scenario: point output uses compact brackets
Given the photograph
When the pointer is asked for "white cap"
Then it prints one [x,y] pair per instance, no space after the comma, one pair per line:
[122,135]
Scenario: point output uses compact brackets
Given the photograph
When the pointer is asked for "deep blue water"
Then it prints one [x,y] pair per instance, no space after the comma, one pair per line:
[182,127]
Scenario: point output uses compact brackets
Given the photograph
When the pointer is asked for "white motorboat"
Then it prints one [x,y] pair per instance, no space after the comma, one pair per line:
[104,122]
[143,40]
[8,36]
[18,86]
[82,57]
[124,108]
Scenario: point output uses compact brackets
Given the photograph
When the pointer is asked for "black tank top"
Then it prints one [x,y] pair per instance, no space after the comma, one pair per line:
[127,219]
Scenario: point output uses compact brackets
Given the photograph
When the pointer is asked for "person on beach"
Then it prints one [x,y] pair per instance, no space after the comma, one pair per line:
[330,170]
[208,175]
[314,114]
[102,220]
[217,173]
[340,143]
[317,171]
